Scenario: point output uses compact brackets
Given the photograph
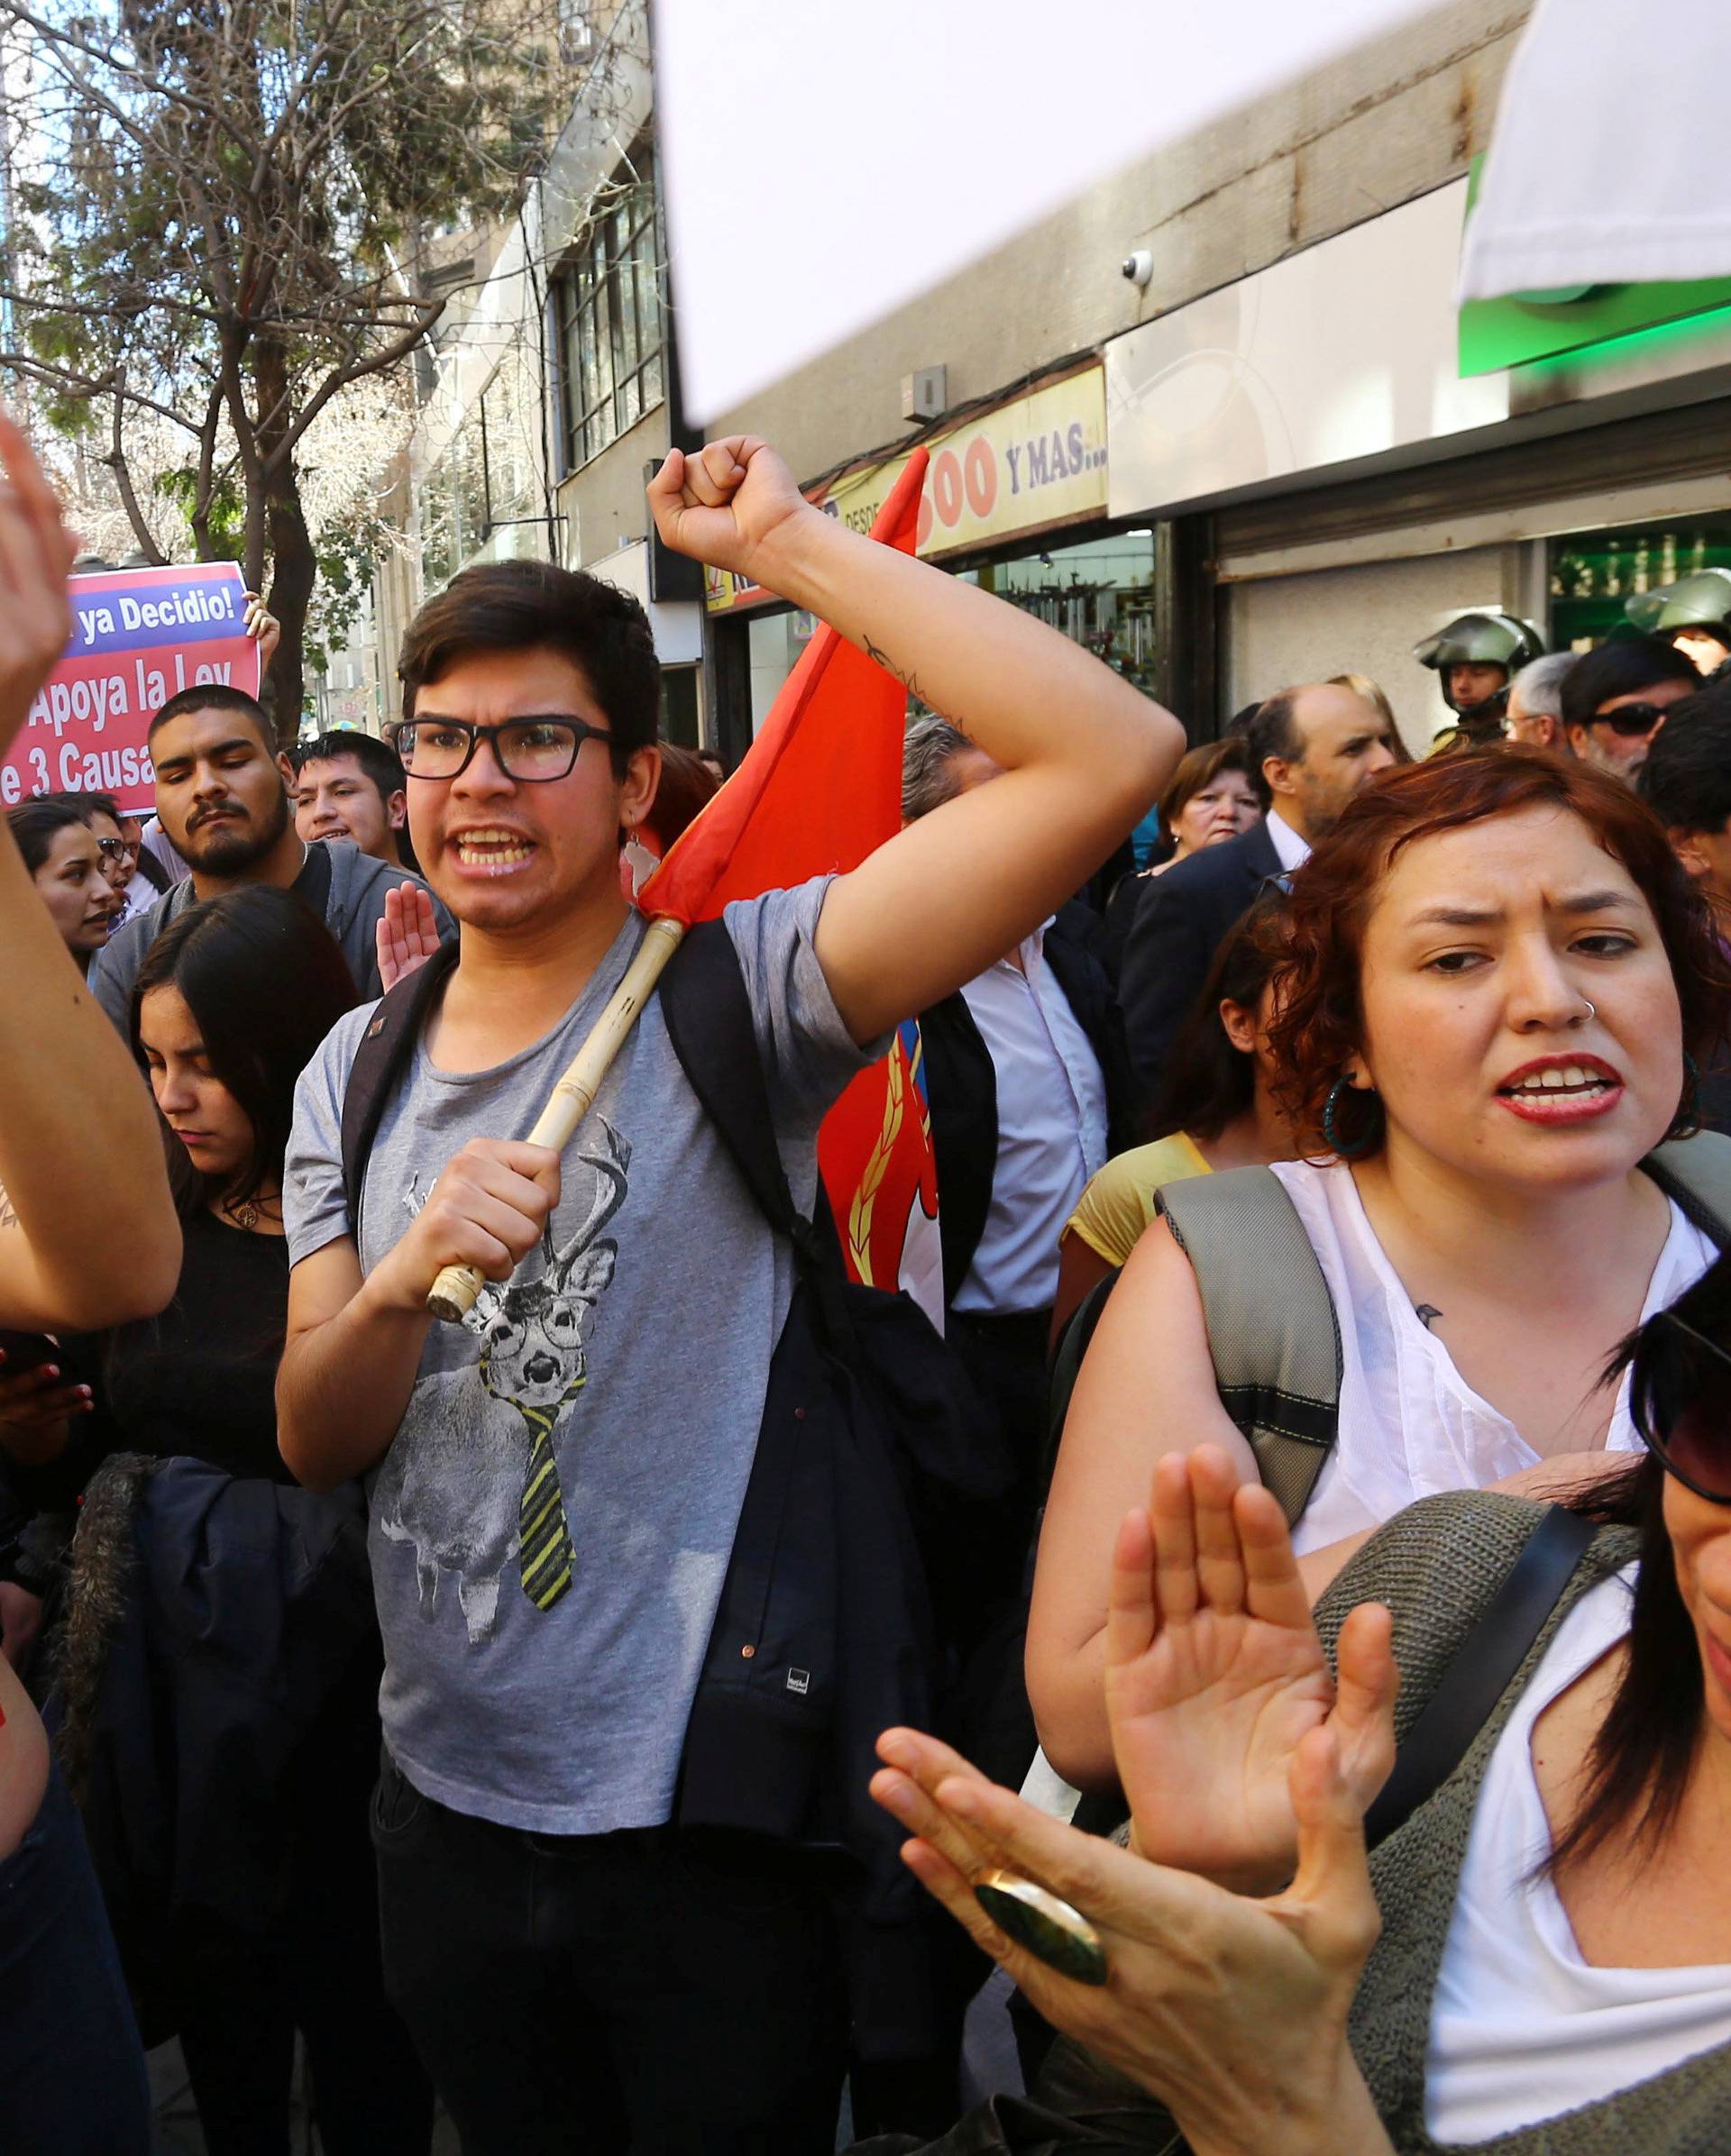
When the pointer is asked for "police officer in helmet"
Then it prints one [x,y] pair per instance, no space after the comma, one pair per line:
[1694,614]
[1477,655]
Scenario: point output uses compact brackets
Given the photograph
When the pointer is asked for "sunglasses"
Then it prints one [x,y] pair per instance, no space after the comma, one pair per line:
[1629,720]
[1684,1419]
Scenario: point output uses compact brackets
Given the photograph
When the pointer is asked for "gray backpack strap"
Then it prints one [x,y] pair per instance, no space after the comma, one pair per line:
[1696,1172]
[1272,1330]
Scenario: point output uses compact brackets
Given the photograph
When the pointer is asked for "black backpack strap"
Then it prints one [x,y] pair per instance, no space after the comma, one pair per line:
[706,1011]
[708,1014]
[1482,1670]
[379,1061]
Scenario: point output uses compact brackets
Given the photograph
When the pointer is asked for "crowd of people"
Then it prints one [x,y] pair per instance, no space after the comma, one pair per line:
[1284,1620]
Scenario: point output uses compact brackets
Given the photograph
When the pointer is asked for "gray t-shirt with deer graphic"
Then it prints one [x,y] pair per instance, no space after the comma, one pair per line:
[633,1355]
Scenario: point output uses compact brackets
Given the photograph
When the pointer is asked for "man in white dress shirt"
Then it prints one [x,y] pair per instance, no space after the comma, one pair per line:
[1023,1066]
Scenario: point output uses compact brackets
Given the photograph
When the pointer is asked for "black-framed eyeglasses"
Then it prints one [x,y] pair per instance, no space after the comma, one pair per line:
[532,750]
[1684,1413]
[1629,720]
[115,849]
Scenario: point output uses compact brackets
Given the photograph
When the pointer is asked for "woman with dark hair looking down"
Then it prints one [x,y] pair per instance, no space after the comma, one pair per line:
[1536,1961]
[1216,1110]
[245,1599]
[1492,977]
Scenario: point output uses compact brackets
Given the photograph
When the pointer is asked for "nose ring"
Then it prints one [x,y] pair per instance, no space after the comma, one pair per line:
[1592,1008]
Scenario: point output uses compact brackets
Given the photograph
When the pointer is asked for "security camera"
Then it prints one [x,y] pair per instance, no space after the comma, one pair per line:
[1138,268]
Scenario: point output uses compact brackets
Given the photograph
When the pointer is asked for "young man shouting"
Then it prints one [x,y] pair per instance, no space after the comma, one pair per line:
[350,785]
[555,1492]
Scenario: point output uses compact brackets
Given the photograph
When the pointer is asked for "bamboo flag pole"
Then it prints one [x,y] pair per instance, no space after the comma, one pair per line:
[453,1294]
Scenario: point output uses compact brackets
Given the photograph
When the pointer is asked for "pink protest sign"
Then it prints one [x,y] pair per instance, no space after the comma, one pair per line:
[139,637]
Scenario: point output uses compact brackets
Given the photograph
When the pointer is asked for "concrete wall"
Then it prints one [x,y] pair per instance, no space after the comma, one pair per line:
[602,502]
[1360,620]
[1371,130]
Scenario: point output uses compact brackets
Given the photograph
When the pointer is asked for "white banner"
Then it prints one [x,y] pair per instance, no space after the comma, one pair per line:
[1604,166]
[826,161]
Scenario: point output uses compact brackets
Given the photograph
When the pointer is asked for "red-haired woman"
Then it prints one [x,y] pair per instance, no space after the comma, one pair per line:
[1495,976]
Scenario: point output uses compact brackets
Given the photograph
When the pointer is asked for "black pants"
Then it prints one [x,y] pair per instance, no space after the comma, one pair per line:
[1006,1358]
[316,1969]
[660,1992]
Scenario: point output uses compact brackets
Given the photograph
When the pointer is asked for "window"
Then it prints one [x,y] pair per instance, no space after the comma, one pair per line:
[609,302]
[485,476]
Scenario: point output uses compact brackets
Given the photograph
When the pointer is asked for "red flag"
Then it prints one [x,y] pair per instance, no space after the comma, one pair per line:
[819,789]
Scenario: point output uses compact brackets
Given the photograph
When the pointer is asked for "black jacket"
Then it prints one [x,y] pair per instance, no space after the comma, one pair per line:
[1181,923]
[962,1087]
[214,1628]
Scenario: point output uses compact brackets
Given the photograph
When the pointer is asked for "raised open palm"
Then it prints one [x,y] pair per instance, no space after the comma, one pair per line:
[1214,1675]
[36,553]
[408,933]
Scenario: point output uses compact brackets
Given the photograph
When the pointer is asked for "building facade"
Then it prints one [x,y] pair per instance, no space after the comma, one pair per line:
[1278,452]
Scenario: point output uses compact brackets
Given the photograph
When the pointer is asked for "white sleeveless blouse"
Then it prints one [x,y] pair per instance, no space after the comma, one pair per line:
[1410,1425]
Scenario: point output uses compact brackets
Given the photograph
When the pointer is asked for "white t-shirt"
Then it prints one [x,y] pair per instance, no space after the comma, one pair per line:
[1521,2027]
[1410,1425]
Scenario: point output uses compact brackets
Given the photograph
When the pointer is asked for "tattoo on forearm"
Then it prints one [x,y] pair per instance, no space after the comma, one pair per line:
[909,682]
[8,1214]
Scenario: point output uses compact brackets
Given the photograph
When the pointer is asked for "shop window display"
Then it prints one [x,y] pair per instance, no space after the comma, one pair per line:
[1101,594]
[1594,575]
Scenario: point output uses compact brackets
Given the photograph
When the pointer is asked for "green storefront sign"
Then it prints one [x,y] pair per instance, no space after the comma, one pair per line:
[1527,326]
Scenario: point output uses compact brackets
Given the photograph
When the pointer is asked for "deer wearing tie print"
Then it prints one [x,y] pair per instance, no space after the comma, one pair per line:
[468,1504]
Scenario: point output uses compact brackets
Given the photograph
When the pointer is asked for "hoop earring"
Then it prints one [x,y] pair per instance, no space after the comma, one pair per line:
[1687,1120]
[1368,1143]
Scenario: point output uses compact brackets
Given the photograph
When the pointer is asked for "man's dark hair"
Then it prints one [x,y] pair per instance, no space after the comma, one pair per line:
[1623,667]
[218,695]
[1686,779]
[529,606]
[377,758]
[1273,732]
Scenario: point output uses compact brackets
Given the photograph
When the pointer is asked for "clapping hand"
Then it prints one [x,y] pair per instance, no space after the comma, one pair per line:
[408,933]
[36,552]
[1215,1677]
[1231,2011]
[721,502]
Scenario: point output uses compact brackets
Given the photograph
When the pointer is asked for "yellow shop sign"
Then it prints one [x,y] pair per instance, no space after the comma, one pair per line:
[1024,467]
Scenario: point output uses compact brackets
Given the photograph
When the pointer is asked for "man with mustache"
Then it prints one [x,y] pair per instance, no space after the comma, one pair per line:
[222,798]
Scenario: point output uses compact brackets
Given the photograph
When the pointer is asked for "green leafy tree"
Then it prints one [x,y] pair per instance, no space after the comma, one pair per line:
[230,213]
